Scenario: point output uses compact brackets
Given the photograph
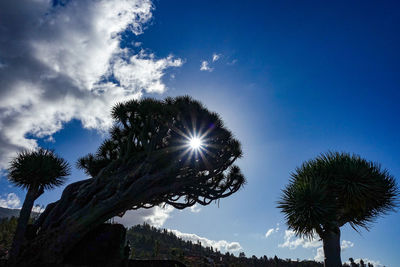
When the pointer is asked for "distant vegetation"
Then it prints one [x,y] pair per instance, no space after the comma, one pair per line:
[148,242]
[151,243]
[7,230]
[5,213]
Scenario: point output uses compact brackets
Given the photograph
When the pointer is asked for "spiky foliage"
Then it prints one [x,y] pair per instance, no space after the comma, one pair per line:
[40,168]
[35,171]
[334,189]
[156,133]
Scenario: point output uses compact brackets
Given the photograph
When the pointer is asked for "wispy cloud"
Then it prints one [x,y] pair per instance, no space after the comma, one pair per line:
[215,57]
[271,231]
[60,63]
[232,62]
[221,245]
[10,201]
[205,66]
[195,208]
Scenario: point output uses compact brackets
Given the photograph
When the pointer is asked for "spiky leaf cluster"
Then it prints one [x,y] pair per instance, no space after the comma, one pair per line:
[39,168]
[154,134]
[334,189]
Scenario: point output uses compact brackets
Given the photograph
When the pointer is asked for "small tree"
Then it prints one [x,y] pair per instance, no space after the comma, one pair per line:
[34,171]
[172,152]
[334,189]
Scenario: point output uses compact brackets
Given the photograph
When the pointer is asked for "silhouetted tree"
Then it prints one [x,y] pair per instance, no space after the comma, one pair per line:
[276,260]
[352,263]
[146,161]
[156,248]
[35,171]
[334,189]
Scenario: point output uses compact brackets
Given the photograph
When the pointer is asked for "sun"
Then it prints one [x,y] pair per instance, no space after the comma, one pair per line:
[195,143]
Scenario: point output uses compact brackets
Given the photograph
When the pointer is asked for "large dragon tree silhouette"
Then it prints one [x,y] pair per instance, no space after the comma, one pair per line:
[147,160]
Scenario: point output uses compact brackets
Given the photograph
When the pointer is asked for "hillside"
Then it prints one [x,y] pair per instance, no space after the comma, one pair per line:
[7,213]
[151,243]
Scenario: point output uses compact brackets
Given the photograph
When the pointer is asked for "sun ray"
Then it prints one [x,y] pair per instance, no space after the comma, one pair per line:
[203,157]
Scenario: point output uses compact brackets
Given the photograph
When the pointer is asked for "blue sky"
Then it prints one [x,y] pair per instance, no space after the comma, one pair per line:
[290,79]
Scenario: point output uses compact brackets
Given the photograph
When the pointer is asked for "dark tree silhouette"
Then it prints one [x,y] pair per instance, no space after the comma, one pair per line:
[334,189]
[34,171]
[145,162]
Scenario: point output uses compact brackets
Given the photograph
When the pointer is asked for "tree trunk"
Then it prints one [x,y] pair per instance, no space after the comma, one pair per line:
[23,220]
[83,206]
[88,203]
[331,241]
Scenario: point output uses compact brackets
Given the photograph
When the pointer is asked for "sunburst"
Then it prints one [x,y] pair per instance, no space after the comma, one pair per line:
[195,143]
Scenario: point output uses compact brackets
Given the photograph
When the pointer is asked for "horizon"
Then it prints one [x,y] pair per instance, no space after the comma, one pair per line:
[291,81]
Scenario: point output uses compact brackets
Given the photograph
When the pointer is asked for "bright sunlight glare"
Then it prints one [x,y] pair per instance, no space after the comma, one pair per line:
[195,143]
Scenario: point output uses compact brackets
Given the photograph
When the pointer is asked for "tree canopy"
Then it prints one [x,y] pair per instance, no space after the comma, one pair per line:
[158,133]
[41,168]
[337,188]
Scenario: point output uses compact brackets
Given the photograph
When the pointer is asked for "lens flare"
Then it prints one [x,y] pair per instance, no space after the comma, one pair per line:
[195,143]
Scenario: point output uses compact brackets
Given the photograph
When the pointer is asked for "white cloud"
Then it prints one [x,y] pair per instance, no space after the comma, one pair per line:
[195,208]
[215,57]
[344,245]
[271,231]
[142,71]
[320,255]
[205,66]
[11,201]
[38,209]
[221,245]
[60,63]
[233,62]
[292,242]
[155,216]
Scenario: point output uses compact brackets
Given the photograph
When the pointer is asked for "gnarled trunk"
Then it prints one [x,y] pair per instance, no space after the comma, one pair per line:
[33,193]
[331,241]
[88,203]
[83,206]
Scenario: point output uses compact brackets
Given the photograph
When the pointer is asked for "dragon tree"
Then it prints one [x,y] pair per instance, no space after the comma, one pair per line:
[332,190]
[35,171]
[173,151]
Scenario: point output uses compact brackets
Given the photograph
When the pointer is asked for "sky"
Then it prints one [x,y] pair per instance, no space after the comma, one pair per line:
[290,79]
